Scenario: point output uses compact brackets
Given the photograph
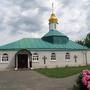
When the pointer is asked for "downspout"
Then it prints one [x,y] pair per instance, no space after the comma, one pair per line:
[86,58]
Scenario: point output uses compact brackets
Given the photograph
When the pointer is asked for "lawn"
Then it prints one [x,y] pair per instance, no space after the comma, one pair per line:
[61,72]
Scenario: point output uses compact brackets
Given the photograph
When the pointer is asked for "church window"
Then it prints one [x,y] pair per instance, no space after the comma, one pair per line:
[35,56]
[5,57]
[67,56]
[53,56]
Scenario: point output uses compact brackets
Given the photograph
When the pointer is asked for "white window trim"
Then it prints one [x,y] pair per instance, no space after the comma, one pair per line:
[67,60]
[35,56]
[3,62]
[35,61]
[52,60]
[54,57]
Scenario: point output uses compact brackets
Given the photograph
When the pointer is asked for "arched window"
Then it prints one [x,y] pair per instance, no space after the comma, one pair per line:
[67,56]
[53,56]
[5,57]
[35,56]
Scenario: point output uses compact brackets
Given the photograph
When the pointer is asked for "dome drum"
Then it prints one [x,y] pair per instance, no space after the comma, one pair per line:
[56,39]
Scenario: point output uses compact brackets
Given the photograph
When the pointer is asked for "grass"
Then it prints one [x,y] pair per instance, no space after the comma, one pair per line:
[61,72]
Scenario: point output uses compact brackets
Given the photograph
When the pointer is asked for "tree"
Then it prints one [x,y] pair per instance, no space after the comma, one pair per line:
[80,42]
[87,40]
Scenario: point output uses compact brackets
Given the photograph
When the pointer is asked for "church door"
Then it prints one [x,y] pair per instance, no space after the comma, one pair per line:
[22,60]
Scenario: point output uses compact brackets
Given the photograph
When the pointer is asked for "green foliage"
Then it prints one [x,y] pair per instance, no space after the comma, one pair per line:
[87,40]
[61,72]
[79,85]
[80,42]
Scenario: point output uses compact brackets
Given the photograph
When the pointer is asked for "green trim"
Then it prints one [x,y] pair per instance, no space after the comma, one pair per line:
[46,49]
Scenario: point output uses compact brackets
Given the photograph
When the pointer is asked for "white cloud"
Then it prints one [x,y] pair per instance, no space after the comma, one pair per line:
[74,18]
[30,13]
[19,18]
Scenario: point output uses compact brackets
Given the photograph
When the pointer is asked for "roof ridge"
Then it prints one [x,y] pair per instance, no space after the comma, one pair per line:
[30,38]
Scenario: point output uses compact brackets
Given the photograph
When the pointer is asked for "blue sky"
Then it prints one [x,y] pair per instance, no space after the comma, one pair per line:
[29,18]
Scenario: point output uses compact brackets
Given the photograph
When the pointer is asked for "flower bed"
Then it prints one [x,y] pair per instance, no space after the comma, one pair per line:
[85,78]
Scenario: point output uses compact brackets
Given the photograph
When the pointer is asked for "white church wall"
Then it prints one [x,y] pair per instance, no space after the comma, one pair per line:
[88,57]
[60,59]
[80,60]
[10,64]
[59,62]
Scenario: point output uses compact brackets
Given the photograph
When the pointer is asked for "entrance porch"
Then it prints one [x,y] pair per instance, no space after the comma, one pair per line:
[23,60]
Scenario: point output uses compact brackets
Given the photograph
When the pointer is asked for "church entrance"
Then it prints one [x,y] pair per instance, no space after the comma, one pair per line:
[22,61]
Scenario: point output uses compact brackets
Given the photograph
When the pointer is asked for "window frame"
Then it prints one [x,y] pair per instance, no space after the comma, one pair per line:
[53,57]
[35,57]
[67,57]
[4,56]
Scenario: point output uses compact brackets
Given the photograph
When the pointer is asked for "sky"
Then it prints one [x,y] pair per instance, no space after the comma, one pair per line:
[29,18]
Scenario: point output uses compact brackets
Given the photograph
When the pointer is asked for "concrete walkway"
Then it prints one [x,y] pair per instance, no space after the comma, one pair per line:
[31,80]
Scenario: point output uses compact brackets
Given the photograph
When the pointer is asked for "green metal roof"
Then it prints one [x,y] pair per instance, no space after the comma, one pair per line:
[55,37]
[39,44]
[53,33]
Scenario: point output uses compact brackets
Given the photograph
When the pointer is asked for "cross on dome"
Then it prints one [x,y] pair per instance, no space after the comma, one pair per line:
[53,18]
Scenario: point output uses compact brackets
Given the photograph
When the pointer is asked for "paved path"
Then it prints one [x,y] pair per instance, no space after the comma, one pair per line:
[31,80]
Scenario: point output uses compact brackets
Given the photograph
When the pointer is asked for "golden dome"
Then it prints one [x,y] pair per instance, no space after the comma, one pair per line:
[53,18]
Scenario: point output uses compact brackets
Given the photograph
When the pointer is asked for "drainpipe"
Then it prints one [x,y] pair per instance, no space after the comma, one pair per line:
[85,53]
[86,58]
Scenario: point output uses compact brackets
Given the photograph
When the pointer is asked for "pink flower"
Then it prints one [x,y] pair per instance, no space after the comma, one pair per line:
[84,72]
[84,81]
[88,72]
[88,85]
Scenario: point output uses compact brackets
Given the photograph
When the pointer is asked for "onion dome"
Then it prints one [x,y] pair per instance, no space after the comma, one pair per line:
[53,18]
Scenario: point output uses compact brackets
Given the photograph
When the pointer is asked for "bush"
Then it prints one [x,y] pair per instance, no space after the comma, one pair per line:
[79,85]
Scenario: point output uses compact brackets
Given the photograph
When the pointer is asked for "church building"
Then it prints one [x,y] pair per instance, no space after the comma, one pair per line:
[54,49]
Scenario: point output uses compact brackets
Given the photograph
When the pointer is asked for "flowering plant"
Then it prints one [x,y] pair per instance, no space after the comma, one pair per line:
[86,78]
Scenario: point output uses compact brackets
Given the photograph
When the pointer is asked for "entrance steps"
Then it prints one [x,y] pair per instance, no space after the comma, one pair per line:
[23,69]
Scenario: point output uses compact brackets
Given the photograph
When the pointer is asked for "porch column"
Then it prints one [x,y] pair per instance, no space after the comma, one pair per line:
[16,63]
[28,61]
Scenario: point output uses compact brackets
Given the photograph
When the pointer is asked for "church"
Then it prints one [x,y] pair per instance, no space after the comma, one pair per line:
[52,50]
